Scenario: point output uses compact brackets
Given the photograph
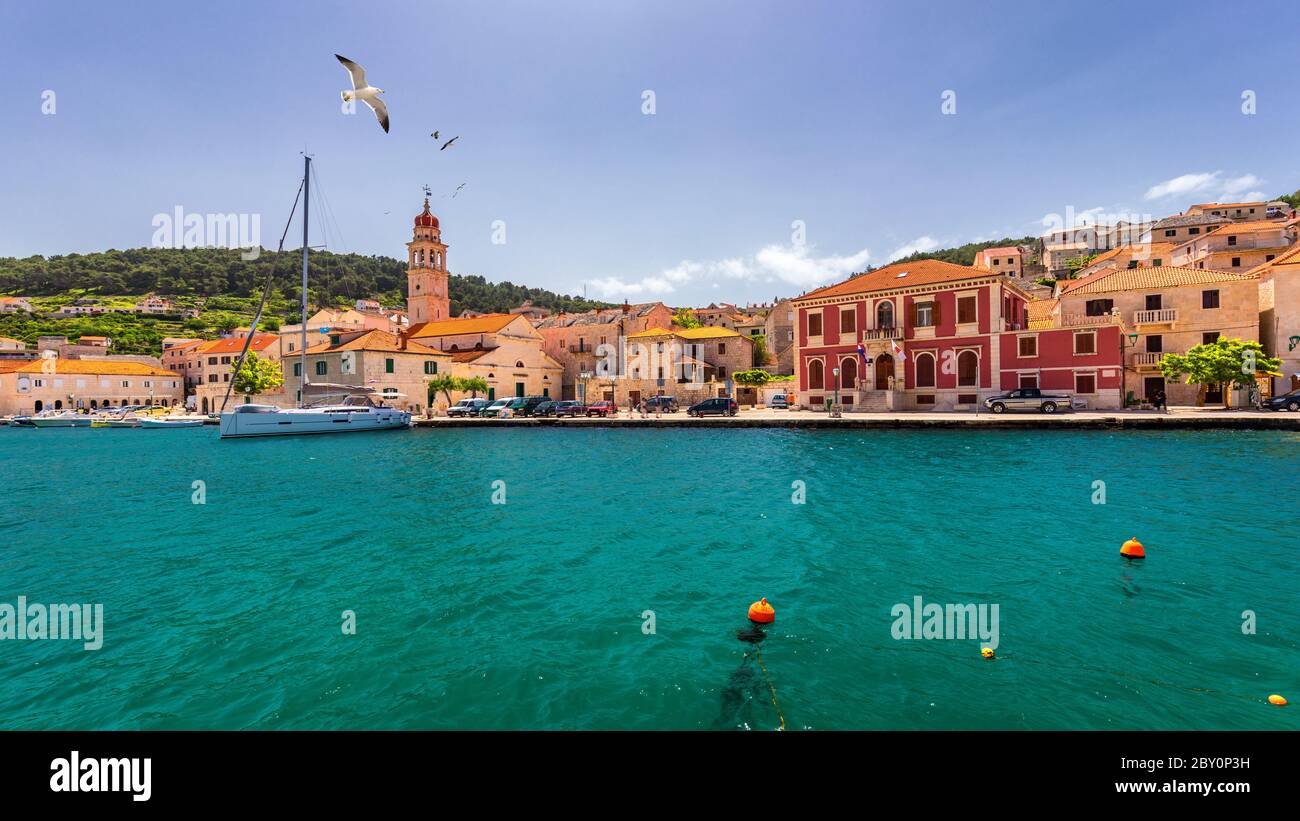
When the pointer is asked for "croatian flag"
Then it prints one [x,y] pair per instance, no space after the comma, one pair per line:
[897,349]
[862,353]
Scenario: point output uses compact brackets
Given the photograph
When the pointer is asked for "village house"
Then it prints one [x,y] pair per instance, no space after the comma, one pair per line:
[778,332]
[1140,255]
[1237,246]
[935,335]
[688,364]
[1171,310]
[10,344]
[345,320]
[1183,227]
[1279,316]
[155,305]
[504,349]
[397,368]
[55,384]
[1006,260]
[575,340]
[533,312]
[209,366]
[1240,210]
[15,304]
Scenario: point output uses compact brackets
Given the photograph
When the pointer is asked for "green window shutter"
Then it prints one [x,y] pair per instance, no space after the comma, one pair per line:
[388,366]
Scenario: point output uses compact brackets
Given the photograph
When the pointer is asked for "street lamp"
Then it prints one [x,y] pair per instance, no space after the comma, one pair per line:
[836,373]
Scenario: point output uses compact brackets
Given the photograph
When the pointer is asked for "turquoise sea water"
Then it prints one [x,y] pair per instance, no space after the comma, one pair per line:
[227,615]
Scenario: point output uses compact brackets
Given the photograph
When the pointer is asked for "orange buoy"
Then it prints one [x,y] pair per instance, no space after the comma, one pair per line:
[1133,549]
[762,612]
[1278,700]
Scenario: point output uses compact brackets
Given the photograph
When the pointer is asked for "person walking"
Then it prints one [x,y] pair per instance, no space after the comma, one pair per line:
[1160,401]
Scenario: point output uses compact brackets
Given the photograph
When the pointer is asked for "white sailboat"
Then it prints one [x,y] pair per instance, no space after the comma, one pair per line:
[361,409]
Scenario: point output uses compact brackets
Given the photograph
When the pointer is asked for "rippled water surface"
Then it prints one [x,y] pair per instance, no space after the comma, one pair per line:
[529,614]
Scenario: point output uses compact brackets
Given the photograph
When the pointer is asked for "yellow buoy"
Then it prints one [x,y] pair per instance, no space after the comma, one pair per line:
[1276,699]
[987,652]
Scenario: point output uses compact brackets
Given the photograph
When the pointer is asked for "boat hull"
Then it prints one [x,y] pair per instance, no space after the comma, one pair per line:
[304,422]
[60,422]
[170,423]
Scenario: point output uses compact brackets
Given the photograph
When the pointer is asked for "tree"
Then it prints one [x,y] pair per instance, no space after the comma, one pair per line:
[755,378]
[257,375]
[443,383]
[1077,264]
[685,318]
[760,350]
[1222,362]
[474,384]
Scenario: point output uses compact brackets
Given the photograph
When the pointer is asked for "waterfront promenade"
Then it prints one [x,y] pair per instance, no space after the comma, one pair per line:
[1177,418]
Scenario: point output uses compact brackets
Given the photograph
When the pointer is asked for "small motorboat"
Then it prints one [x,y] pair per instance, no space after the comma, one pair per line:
[66,419]
[172,422]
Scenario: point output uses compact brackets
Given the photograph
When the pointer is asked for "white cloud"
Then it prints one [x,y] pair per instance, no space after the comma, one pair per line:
[1178,186]
[921,244]
[794,265]
[1228,189]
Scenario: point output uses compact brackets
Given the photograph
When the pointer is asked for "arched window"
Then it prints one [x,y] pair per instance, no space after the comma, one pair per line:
[519,364]
[925,370]
[968,368]
[885,314]
[848,373]
[816,375]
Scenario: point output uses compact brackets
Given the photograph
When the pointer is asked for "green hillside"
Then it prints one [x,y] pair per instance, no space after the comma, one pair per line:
[227,287]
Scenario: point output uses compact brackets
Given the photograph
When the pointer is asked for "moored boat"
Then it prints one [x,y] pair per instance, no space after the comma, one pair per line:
[66,419]
[165,422]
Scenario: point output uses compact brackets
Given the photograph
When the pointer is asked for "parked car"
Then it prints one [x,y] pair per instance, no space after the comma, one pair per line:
[545,408]
[495,408]
[719,405]
[665,404]
[468,407]
[1287,401]
[601,408]
[779,400]
[530,404]
[1028,399]
[566,407]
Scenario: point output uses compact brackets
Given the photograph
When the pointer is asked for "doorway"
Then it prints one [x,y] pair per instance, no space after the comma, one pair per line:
[1152,385]
[884,370]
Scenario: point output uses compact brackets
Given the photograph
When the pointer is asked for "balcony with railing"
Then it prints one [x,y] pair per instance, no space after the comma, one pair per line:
[1144,360]
[1161,316]
[886,333]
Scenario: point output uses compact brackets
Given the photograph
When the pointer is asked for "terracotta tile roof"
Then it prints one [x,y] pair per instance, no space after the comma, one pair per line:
[706,332]
[486,324]
[899,275]
[1000,252]
[11,365]
[88,338]
[1041,308]
[1291,257]
[468,356]
[1165,276]
[96,367]
[235,344]
[1251,227]
[1225,205]
[375,340]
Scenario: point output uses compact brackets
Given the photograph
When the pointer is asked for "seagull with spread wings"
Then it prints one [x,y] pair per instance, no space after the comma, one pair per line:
[364,92]
[449,142]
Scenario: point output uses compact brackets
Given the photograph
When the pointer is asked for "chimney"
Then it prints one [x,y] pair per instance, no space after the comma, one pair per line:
[626,308]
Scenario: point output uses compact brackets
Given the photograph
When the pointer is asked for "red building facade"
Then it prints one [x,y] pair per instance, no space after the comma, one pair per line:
[934,335]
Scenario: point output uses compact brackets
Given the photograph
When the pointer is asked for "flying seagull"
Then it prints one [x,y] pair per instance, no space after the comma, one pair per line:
[435,134]
[457,191]
[367,94]
[449,142]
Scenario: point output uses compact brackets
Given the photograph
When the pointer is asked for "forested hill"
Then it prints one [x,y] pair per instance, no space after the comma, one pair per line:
[965,254]
[336,279]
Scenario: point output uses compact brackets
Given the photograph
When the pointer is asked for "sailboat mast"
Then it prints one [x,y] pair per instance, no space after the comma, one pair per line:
[306,208]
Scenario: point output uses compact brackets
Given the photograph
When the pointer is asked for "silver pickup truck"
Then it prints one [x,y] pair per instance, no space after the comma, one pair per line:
[1028,399]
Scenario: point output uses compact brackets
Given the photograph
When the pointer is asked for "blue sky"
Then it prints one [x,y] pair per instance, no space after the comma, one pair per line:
[766,113]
